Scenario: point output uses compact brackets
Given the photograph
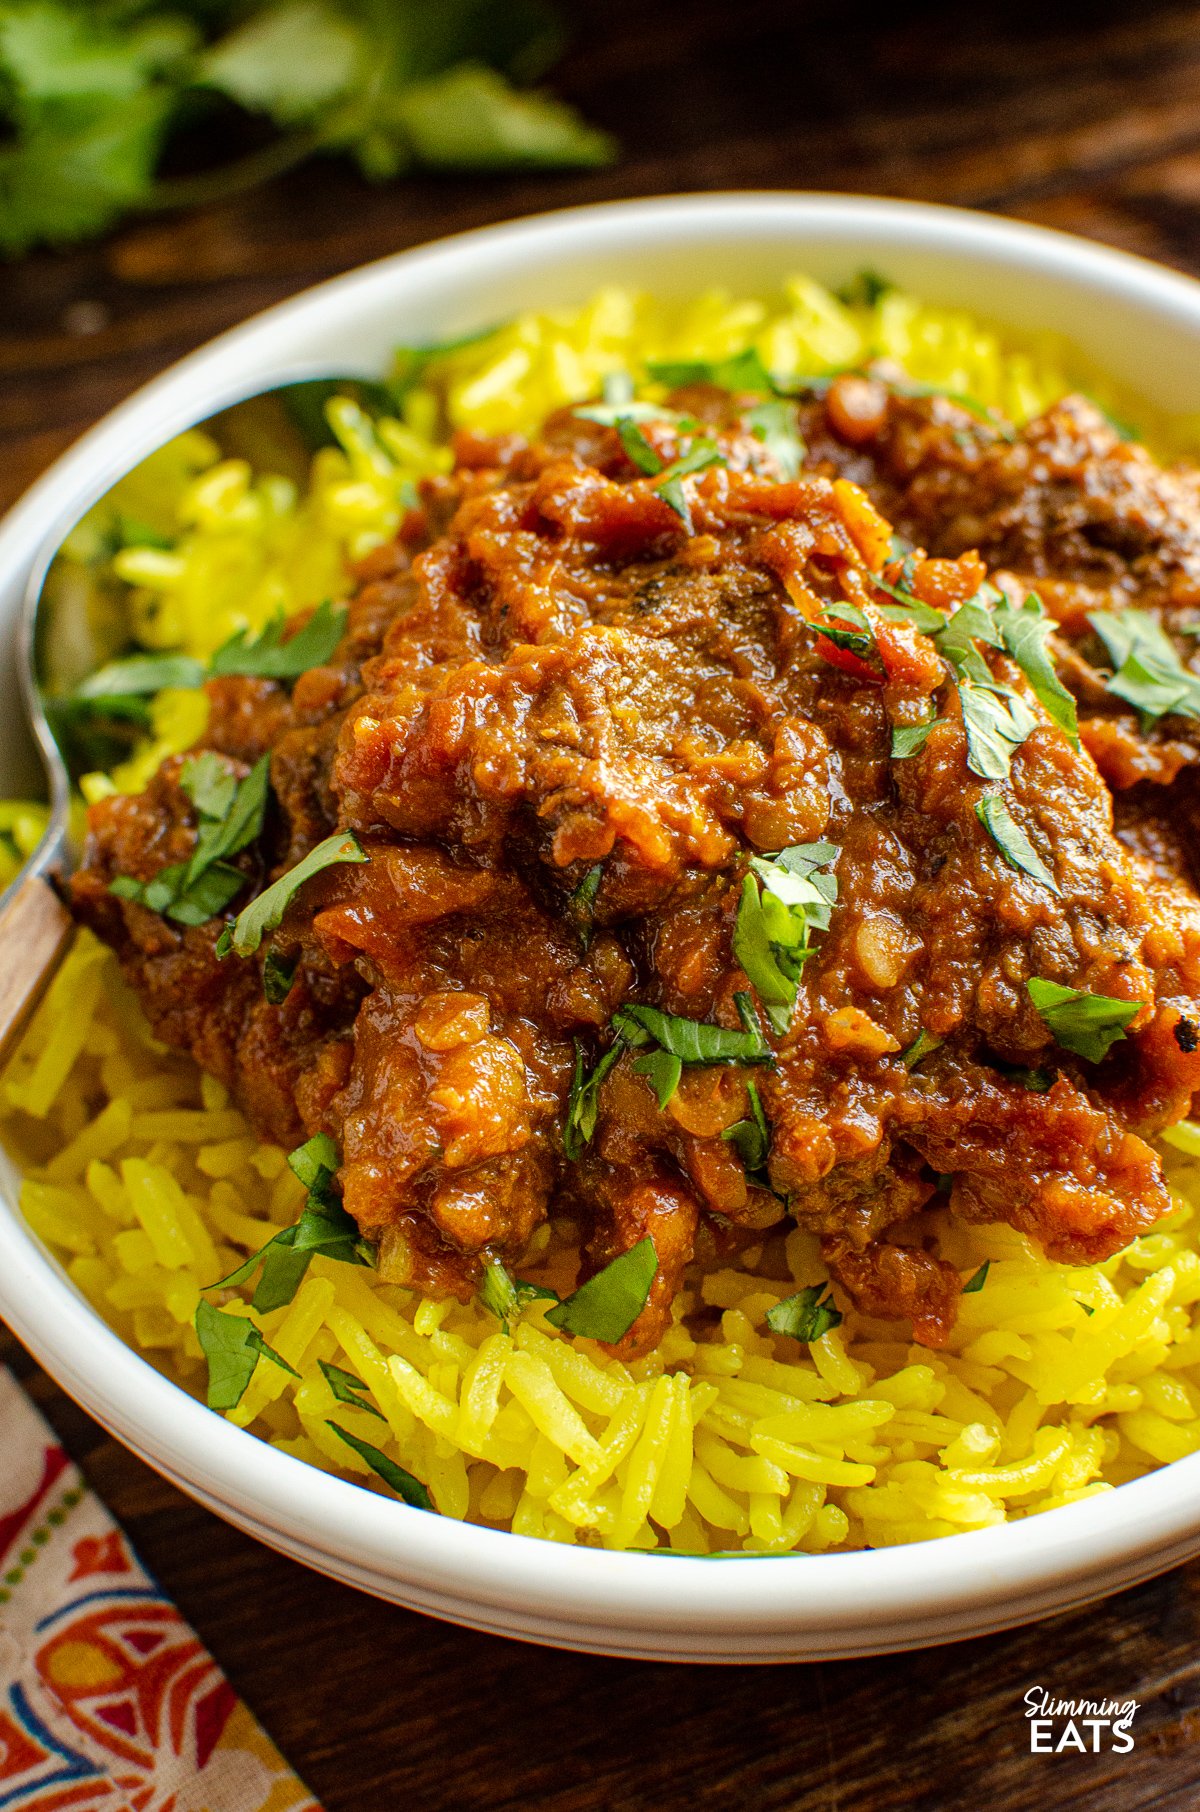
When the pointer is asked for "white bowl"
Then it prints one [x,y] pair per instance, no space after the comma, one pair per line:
[1139,322]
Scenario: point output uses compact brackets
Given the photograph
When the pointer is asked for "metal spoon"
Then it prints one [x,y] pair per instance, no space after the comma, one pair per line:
[278,429]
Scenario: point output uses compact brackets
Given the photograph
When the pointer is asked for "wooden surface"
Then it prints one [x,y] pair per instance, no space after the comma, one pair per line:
[1086,118]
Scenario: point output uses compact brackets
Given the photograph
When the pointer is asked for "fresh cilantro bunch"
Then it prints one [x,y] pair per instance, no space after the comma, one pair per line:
[92,90]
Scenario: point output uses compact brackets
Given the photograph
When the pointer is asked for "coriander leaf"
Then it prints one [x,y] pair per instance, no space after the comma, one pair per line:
[978,1278]
[774,424]
[770,935]
[1012,842]
[864,290]
[233,1347]
[751,1138]
[805,1316]
[137,676]
[265,913]
[611,413]
[743,370]
[997,722]
[315,1162]
[583,1106]
[1149,673]
[662,1070]
[1038,1082]
[402,1483]
[1087,1024]
[608,1304]
[637,447]
[269,656]
[290,61]
[278,976]
[1024,632]
[669,484]
[347,1388]
[506,1296]
[469,118]
[209,784]
[582,902]
[907,739]
[911,610]
[923,1045]
[689,1039]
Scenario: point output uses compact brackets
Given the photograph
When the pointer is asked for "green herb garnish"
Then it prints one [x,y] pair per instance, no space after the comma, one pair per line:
[1011,840]
[923,1045]
[347,1388]
[230,814]
[506,1296]
[265,913]
[637,447]
[662,1070]
[978,1279]
[806,1315]
[401,1482]
[323,1227]
[774,424]
[583,1107]
[608,1304]
[270,656]
[582,902]
[1024,631]
[700,455]
[692,1040]
[743,370]
[784,897]
[751,1137]
[1086,1024]
[278,975]
[233,1347]
[1149,673]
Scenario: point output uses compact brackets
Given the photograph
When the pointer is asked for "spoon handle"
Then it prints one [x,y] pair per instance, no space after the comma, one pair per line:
[35,929]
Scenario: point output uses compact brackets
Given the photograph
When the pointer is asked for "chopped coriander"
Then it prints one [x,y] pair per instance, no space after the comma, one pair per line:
[265,913]
[323,1227]
[278,976]
[315,1162]
[506,1296]
[269,656]
[137,676]
[783,898]
[691,1040]
[230,814]
[582,902]
[805,1316]
[401,1482]
[977,1280]
[1038,1082]
[637,447]
[1149,673]
[923,1045]
[743,370]
[583,1107]
[996,721]
[1024,632]
[608,1304]
[347,1388]
[669,484]
[233,1347]
[751,1138]
[662,1070]
[864,290]
[1011,840]
[907,739]
[774,424]
[1086,1024]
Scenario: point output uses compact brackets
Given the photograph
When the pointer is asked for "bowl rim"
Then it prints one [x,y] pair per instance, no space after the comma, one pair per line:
[518,1574]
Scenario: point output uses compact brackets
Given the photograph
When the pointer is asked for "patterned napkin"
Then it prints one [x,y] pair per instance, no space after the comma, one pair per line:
[108,1701]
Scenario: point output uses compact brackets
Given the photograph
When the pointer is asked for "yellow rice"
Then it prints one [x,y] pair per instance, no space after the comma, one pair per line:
[1058,1382]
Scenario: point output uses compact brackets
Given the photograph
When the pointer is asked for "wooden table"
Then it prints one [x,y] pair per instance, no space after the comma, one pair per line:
[1083,117]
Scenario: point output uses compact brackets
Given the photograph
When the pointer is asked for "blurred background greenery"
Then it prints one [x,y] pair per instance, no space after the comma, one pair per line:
[117,107]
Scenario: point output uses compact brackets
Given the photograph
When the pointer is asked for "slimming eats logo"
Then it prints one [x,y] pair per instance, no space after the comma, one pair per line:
[1088,1725]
